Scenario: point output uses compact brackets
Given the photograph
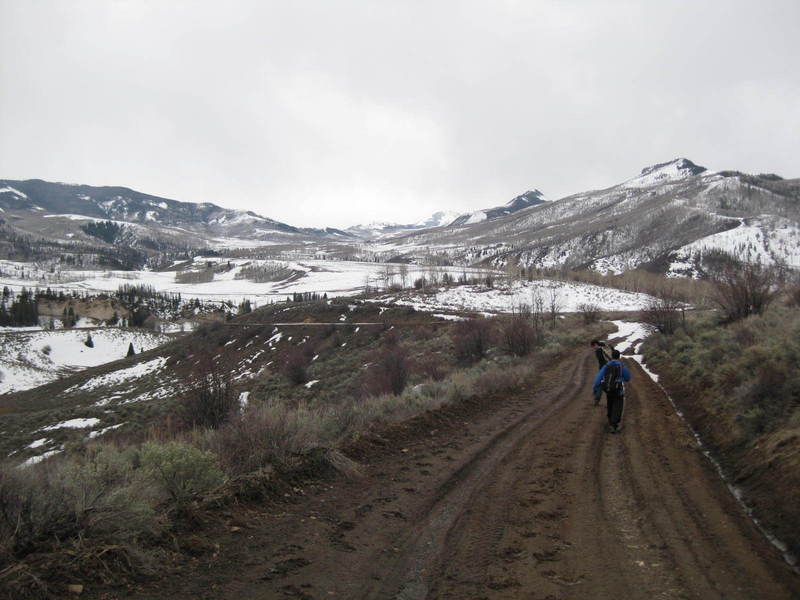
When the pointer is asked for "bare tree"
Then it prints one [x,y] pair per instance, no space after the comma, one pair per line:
[663,312]
[554,305]
[590,312]
[404,275]
[741,289]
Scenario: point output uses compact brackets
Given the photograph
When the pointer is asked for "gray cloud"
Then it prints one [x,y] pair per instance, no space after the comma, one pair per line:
[330,113]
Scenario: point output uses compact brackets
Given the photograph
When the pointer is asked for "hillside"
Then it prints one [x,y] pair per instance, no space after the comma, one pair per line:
[40,218]
[657,220]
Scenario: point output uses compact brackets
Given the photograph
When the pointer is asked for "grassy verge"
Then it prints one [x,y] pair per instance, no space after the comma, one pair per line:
[739,385]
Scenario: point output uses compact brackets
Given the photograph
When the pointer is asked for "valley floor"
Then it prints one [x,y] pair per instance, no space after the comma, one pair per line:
[521,497]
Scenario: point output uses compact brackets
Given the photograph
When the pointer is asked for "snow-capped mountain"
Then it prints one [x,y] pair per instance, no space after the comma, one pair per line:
[526,200]
[659,219]
[379,230]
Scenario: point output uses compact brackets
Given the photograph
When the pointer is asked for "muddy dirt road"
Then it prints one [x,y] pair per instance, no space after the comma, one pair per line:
[531,499]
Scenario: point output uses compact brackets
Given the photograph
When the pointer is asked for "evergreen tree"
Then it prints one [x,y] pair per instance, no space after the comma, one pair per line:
[131,351]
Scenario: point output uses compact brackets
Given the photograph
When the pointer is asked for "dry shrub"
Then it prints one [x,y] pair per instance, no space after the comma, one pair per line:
[101,495]
[432,368]
[269,434]
[389,373]
[208,399]
[590,312]
[663,313]
[182,471]
[296,366]
[500,380]
[471,339]
[521,331]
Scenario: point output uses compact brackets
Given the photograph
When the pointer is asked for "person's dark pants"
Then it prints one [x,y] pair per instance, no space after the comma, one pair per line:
[615,404]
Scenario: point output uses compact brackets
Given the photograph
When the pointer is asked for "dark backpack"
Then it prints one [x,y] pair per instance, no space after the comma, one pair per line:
[612,379]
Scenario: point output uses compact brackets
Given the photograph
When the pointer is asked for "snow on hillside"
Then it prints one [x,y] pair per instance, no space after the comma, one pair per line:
[116,378]
[503,298]
[31,359]
[766,240]
[477,217]
[10,190]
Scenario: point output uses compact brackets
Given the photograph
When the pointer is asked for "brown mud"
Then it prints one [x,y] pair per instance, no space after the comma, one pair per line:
[522,497]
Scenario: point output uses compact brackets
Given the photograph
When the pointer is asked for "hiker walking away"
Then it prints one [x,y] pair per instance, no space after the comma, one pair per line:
[611,380]
[602,359]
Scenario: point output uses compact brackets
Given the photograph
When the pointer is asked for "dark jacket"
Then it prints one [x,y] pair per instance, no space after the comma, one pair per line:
[625,375]
[602,358]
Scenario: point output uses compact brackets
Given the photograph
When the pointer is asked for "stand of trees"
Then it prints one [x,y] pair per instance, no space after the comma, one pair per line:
[18,311]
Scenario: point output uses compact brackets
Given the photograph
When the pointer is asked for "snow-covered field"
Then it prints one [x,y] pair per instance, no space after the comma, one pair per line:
[503,298]
[31,359]
[335,278]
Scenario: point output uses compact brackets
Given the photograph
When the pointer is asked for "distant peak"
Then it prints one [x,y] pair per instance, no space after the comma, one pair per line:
[682,165]
[673,170]
[529,198]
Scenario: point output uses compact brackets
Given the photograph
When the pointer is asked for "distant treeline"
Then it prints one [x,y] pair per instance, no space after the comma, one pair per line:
[18,310]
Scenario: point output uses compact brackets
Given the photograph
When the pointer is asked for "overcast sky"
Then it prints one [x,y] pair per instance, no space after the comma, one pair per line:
[335,112]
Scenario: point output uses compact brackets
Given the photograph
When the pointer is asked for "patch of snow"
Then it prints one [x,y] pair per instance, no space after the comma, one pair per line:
[115,378]
[36,459]
[449,317]
[73,424]
[9,189]
[103,431]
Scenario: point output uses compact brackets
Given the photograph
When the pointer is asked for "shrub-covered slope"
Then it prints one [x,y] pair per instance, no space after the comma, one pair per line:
[739,386]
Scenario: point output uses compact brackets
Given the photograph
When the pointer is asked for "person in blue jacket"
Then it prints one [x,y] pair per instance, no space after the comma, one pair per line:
[611,378]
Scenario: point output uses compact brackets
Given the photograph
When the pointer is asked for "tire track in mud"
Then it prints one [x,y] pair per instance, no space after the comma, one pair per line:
[481,484]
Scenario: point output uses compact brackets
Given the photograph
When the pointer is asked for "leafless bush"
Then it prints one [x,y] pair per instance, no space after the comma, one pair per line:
[389,373]
[209,398]
[590,312]
[554,306]
[272,434]
[296,366]
[471,339]
[741,289]
[522,329]
[432,368]
[663,313]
